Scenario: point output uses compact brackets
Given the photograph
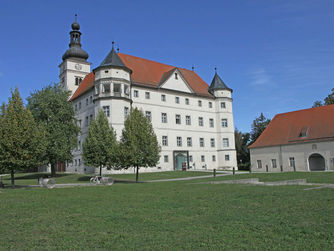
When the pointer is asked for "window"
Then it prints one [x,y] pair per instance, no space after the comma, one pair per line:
[76,107]
[225,142]
[224,122]
[273,163]
[86,122]
[188,120]
[179,141]
[175,74]
[292,162]
[86,101]
[147,95]
[200,121]
[178,119]
[259,164]
[222,105]
[164,117]
[79,162]
[79,105]
[227,157]
[163,97]
[106,88]
[303,132]
[148,115]
[187,101]
[212,142]
[106,110]
[91,99]
[90,118]
[126,112]
[189,142]
[211,122]
[214,158]
[117,89]
[201,142]
[135,93]
[126,90]
[164,140]
[165,158]
[202,158]
[177,100]
[210,104]
[79,145]
[75,161]
[199,102]
[78,80]
[190,158]
[79,121]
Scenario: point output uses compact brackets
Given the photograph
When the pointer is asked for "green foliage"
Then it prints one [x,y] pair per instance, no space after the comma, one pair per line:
[100,146]
[258,126]
[50,107]
[241,144]
[329,100]
[22,141]
[139,144]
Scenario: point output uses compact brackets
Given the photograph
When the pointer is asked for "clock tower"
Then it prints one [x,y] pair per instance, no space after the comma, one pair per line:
[74,67]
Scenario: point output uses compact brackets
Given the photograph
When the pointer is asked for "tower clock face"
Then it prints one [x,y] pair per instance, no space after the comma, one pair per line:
[78,67]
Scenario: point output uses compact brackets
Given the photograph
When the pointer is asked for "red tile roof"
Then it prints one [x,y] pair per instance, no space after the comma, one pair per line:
[286,128]
[148,73]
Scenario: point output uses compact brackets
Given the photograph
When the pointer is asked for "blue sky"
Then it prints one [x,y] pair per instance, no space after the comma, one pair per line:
[277,56]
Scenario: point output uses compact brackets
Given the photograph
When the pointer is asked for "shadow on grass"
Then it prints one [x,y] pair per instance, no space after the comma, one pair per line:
[84,178]
[31,176]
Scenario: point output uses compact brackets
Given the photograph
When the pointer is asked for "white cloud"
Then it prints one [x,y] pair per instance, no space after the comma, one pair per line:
[260,77]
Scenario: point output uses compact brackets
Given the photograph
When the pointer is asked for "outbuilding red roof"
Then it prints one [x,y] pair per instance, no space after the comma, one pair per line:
[297,127]
[148,73]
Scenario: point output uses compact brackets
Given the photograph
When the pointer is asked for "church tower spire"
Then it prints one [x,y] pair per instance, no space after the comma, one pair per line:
[74,67]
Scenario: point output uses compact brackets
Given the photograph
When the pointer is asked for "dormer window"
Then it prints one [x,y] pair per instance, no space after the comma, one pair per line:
[303,132]
[176,77]
[106,71]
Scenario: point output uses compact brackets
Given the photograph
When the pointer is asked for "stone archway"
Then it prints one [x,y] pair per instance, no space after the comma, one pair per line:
[316,162]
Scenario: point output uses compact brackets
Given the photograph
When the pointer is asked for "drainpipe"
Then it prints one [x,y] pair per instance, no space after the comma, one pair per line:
[280,158]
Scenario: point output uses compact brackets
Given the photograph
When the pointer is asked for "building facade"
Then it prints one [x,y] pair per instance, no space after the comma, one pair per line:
[296,141]
[193,121]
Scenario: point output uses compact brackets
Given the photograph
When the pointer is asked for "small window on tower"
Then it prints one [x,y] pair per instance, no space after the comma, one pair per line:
[176,77]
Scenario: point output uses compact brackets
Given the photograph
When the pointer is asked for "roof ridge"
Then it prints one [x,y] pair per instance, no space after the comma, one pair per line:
[306,109]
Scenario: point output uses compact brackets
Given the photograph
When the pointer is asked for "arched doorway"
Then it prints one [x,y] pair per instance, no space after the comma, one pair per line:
[316,162]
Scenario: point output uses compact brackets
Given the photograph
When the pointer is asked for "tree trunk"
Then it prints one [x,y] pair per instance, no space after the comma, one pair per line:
[137,174]
[101,171]
[53,170]
[12,178]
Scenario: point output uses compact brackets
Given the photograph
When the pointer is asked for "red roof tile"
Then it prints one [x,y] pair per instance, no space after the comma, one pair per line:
[85,86]
[286,128]
[148,73]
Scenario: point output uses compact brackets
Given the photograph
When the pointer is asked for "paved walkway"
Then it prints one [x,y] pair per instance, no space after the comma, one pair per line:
[189,178]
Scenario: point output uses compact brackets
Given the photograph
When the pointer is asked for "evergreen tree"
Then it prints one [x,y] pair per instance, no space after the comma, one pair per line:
[139,144]
[258,126]
[100,146]
[241,145]
[50,107]
[22,142]
[329,100]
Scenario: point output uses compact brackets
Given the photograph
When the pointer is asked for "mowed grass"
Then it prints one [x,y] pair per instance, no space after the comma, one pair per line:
[170,216]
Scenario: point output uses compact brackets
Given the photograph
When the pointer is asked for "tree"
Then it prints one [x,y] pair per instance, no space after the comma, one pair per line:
[100,146]
[50,107]
[258,126]
[139,144]
[329,100]
[241,144]
[22,141]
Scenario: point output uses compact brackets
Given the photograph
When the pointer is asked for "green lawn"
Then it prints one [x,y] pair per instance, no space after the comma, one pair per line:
[170,216]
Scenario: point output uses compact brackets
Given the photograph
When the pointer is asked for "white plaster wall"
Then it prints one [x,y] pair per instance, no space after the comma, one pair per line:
[178,84]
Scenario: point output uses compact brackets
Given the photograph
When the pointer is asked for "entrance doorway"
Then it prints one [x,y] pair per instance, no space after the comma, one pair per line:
[316,162]
[181,160]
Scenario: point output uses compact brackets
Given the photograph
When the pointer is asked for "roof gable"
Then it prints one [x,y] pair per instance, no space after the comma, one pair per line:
[298,126]
[173,80]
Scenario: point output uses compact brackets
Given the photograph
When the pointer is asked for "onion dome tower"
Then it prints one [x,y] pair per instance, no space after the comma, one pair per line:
[74,67]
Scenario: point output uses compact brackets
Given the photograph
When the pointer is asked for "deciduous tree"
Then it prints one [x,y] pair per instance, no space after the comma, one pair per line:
[241,144]
[50,107]
[139,144]
[329,100]
[100,146]
[22,141]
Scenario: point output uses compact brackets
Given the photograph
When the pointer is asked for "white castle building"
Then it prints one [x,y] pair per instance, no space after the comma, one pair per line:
[193,121]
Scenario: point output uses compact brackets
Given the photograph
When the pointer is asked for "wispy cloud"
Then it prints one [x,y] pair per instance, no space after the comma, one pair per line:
[260,77]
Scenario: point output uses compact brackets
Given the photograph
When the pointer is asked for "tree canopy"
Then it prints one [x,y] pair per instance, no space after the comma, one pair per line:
[50,107]
[22,141]
[329,100]
[139,144]
[259,124]
[100,146]
[241,144]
